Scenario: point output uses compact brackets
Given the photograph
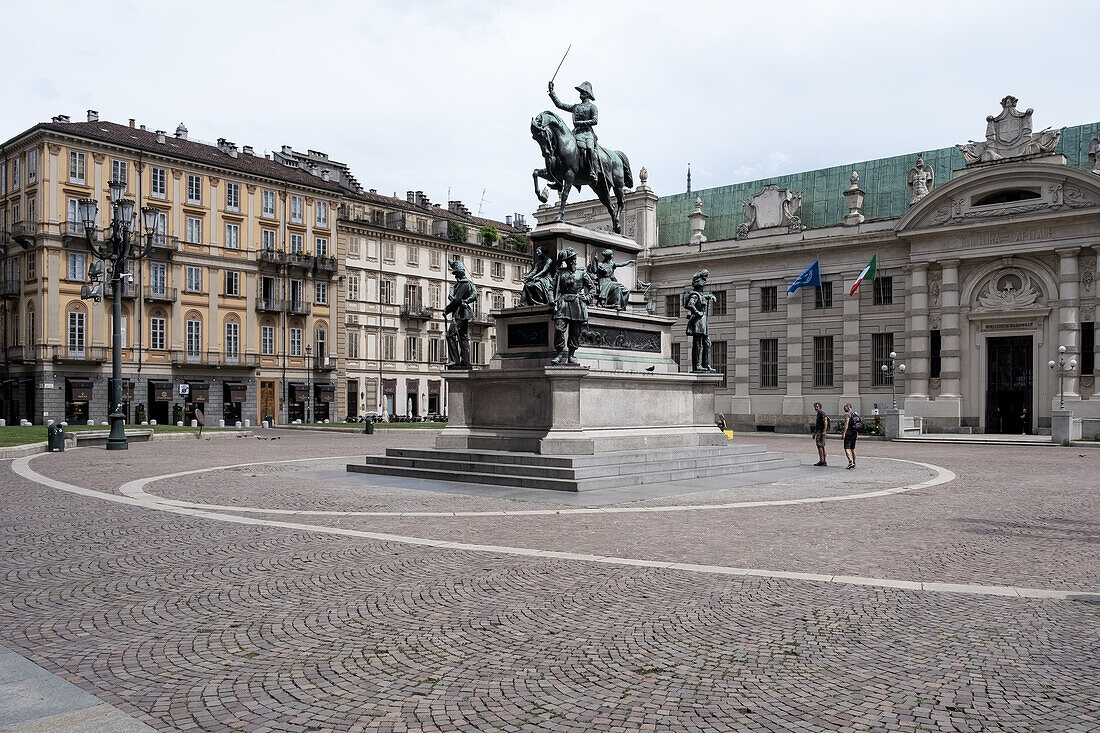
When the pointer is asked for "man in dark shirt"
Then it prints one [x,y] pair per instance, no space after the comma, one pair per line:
[821,427]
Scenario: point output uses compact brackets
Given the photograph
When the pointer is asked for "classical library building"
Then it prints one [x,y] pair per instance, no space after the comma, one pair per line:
[985,264]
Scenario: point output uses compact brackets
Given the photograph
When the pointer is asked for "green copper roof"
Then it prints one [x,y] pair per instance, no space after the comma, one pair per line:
[884,180]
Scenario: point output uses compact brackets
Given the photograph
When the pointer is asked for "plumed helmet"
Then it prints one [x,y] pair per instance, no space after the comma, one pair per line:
[701,275]
[587,89]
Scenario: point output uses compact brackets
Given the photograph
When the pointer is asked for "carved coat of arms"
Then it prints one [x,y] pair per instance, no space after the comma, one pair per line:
[1009,135]
[1009,290]
[771,208]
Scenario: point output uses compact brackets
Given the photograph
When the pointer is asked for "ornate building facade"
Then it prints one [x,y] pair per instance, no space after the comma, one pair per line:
[986,263]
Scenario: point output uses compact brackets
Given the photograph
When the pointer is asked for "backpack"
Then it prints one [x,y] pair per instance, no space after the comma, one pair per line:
[857,421]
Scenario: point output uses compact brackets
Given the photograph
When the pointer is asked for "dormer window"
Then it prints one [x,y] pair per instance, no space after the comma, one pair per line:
[1005,196]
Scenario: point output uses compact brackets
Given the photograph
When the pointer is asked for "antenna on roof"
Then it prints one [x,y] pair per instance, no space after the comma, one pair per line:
[482,204]
[689,178]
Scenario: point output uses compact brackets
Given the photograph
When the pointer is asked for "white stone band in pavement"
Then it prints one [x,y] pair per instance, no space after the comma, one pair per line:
[136,489]
[22,468]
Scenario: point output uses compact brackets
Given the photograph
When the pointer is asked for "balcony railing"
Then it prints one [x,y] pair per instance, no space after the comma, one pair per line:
[24,232]
[129,290]
[482,319]
[160,295]
[18,353]
[297,259]
[98,354]
[270,305]
[416,312]
[326,263]
[272,257]
[238,359]
[10,287]
[299,307]
[165,246]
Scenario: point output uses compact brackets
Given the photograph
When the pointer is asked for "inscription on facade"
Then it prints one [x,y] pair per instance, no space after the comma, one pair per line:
[1023,235]
[528,334]
[1022,326]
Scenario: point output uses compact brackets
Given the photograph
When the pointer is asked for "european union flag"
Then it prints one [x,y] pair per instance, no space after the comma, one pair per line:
[811,277]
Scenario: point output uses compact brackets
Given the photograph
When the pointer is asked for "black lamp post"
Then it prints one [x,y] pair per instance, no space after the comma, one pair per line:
[1062,367]
[889,370]
[114,255]
[309,386]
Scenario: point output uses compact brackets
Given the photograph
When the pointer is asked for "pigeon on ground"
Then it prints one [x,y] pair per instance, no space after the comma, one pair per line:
[651,368]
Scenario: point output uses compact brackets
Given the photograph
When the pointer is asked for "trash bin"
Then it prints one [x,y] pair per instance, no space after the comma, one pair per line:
[55,438]
[368,427]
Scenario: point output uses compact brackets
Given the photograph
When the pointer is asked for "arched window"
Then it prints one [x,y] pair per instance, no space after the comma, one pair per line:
[76,314]
[193,335]
[232,343]
[158,330]
[320,340]
[1006,196]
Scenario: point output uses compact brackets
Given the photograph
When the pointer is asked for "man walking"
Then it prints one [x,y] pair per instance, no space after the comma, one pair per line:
[821,427]
[850,435]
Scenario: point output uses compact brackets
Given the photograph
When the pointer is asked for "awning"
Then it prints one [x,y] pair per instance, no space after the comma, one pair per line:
[80,390]
[299,392]
[433,386]
[325,392]
[160,391]
[127,390]
[236,392]
[200,392]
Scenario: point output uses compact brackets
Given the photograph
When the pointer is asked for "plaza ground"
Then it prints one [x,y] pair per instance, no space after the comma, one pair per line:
[936,587]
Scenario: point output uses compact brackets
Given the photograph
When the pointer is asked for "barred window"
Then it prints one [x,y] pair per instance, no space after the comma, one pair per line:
[718,360]
[719,302]
[676,355]
[884,291]
[881,346]
[823,296]
[769,299]
[823,361]
[769,363]
[935,344]
[672,306]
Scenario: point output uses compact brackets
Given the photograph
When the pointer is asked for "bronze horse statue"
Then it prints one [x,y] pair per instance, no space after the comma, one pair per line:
[566,167]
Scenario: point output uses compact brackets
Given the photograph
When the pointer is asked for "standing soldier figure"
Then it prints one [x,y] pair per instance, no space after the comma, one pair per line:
[585,117]
[570,305]
[458,334]
[697,303]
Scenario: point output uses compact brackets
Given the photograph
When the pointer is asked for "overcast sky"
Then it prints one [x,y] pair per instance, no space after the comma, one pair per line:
[438,96]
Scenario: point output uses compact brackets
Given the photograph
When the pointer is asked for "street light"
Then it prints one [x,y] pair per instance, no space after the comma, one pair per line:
[888,370]
[309,385]
[114,254]
[1062,367]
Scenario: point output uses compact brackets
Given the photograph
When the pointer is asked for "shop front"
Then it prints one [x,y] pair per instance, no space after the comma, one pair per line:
[78,401]
[160,401]
[389,395]
[234,395]
[324,395]
[197,399]
[434,403]
[412,397]
[298,395]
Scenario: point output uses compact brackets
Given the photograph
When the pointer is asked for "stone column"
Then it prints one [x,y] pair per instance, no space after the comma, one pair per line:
[741,402]
[1068,325]
[793,401]
[951,353]
[851,357]
[918,341]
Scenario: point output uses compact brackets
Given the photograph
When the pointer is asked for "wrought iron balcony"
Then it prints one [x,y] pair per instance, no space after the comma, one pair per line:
[129,290]
[16,354]
[326,263]
[299,307]
[164,246]
[297,259]
[10,287]
[96,354]
[238,360]
[272,258]
[160,295]
[416,312]
[482,319]
[270,305]
[25,232]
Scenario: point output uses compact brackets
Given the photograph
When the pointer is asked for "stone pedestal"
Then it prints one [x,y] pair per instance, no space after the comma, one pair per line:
[1063,428]
[891,422]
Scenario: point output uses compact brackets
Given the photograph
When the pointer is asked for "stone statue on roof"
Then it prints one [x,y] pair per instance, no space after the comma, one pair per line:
[1009,135]
[921,179]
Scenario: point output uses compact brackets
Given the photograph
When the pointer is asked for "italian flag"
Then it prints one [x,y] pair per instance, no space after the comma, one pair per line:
[867,274]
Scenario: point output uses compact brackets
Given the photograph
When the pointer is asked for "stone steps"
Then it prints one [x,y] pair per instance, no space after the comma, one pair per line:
[572,473]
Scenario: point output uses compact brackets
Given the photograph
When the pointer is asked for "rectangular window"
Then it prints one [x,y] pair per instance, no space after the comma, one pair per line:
[884,291]
[158,278]
[267,239]
[194,189]
[435,260]
[497,269]
[769,363]
[267,340]
[232,339]
[232,282]
[120,172]
[389,346]
[672,306]
[517,274]
[320,246]
[477,352]
[76,266]
[320,338]
[76,332]
[823,361]
[935,344]
[498,302]
[15,174]
[353,343]
[194,338]
[157,333]
[159,185]
[881,346]
[322,214]
[1088,347]
[194,230]
[719,302]
[3,179]
[296,294]
[412,255]
[353,246]
[676,355]
[718,360]
[321,293]
[412,348]
[295,342]
[32,166]
[479,266]
[353,287]
[386,293]
[823,296]
[296,209]
[31,213]
[434,295]
[436,352]
[76,167]
[297,243]
[412,295]
[389,251]
[32,265]
[232,197]
[268,210]
[232,236]
[194,279]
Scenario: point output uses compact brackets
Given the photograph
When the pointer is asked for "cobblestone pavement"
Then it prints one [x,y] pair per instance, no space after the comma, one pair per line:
[192,623]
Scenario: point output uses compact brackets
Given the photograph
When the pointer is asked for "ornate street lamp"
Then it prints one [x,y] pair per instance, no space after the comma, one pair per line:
[1062,368]
[115,253]
[309,387]
[888,369]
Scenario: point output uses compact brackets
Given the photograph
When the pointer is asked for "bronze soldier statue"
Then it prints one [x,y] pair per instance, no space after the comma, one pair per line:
[697,303]
[458,333]
[570,305]
[585,117]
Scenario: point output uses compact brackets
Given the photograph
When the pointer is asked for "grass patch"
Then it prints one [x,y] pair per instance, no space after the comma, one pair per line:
[19,435]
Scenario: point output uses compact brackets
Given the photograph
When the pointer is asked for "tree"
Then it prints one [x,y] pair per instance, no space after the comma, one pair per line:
[457,231]
[489,234]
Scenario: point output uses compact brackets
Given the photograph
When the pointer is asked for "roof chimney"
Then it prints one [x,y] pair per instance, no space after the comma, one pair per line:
[410,196]
[287,150]
[325,173]
[93,116]
[248,150]
[181,132]
[143,127]
[160,136]
[132,121]
[374,190]
[508,220]
[61,118]
[227,147]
